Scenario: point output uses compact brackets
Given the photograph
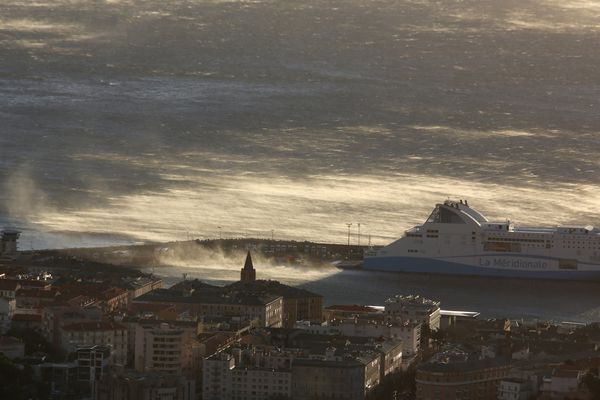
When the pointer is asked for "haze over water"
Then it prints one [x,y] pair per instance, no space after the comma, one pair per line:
[124,121]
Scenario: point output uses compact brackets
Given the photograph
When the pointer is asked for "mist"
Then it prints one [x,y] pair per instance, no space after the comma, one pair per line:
[216,266]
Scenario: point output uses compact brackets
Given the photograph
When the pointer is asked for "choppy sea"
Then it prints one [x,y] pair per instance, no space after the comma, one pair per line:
[124,121]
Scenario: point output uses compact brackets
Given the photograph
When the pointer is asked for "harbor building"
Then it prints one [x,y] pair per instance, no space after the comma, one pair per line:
[409,333]
[413,308]
[267,309]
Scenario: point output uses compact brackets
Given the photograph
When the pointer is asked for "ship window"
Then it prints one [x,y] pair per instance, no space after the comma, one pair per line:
[444,215]
[567,264]
[435,216]
[450,217]
[499,246]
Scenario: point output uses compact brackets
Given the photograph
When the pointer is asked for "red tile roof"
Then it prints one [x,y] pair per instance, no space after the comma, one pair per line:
[94,326]
[48,294]
[29,283]
[8,284]
[150,307]
[33,283]
[27,318]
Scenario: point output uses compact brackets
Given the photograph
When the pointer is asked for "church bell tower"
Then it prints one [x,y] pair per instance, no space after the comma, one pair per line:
[248,274]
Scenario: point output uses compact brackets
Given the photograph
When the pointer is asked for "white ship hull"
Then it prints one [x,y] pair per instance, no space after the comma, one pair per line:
[471,245]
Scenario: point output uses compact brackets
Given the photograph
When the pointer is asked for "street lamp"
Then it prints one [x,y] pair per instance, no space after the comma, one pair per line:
[349,224]
[359,233]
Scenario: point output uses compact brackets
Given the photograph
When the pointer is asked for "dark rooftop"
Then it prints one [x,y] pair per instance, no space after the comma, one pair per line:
[26,318]
[312,362]
[472,364]
[199,297]
[352,308]
[94,326]
[9,341]
[272,287]
[8,284]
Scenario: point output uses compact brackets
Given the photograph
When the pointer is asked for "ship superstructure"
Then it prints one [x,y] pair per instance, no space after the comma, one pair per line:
[457,239]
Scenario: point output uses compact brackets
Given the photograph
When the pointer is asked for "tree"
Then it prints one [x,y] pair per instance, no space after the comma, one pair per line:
[35,343]
[439,337]
[592,383]
[14,381]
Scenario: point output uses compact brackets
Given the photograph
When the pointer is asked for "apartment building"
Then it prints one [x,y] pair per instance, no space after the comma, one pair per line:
[414,309]
[167,346]
[106,333]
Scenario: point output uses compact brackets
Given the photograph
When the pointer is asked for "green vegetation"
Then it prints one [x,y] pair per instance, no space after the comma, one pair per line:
[36,344]
[592,382]
[16,382]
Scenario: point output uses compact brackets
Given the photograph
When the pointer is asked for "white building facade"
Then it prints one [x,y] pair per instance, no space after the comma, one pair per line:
[104,333]
[414,309]
[408,333]
[166,347]
[224,380]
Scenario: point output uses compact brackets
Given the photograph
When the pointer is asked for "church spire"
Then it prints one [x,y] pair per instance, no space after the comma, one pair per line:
[248,273]
[248,264]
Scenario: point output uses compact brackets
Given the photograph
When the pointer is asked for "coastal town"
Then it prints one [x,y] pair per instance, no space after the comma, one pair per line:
[299,200]
[76,326]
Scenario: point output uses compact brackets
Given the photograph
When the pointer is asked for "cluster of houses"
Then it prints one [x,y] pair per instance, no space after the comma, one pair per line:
[125,337]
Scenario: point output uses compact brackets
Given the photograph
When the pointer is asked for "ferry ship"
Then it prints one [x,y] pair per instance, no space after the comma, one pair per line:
[459,240]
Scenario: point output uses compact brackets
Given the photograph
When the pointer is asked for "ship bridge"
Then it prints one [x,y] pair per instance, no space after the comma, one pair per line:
[456,212]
